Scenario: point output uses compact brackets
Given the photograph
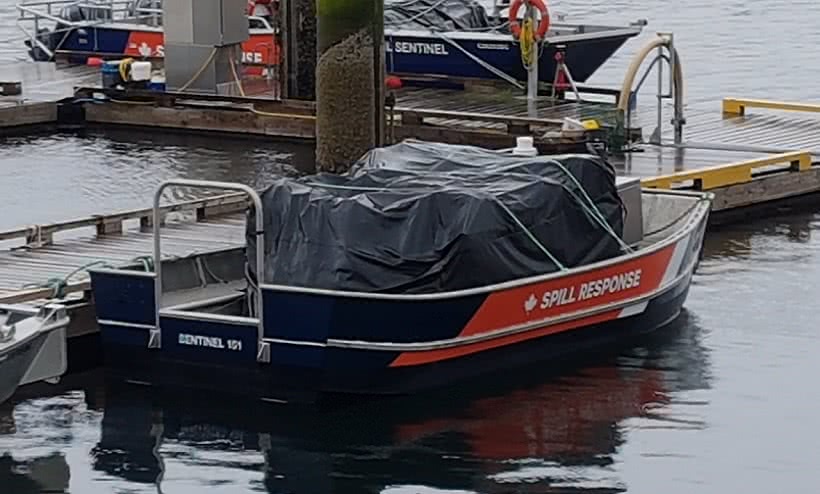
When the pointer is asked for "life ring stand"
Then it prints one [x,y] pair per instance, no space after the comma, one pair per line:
[543,24]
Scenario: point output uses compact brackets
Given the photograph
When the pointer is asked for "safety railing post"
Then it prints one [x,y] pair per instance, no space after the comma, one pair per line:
[155,339]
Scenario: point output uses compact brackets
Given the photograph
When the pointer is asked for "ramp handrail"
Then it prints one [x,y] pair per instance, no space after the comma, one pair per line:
[732,173]
[736,107]
[625,101]
[155,339]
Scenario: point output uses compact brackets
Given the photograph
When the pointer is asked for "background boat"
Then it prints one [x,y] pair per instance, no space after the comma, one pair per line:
[440,41]
[32,346]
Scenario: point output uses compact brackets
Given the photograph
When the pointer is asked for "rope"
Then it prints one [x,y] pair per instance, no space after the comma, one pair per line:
[200,71]
[496,199]
[124,66]
[526,42]
[252,303]
[592,209]
[530,234]
[585,202]
[482,63]
[147,262]
[207,269]
[236,76]
[60,285]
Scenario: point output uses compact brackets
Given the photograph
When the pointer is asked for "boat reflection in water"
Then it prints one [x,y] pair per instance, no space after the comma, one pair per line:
[47,474]
[557,432]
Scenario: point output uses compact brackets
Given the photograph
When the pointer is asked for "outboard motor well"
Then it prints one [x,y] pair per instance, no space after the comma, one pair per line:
[48,39]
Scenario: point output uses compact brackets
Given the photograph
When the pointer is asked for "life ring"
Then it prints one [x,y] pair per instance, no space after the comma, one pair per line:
[543,24]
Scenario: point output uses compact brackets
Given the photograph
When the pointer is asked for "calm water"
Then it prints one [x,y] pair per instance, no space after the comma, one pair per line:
[83,173]
[721,402]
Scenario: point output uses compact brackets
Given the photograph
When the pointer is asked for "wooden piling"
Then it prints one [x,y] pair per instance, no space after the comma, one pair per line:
[299,35]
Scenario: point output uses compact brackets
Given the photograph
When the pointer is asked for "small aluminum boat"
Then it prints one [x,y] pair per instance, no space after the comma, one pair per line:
[32,346]
[205,322]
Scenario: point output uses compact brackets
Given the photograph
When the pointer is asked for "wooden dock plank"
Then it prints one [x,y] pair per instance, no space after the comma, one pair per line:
[504,103]
[37,265]
[654,160]
[767,131]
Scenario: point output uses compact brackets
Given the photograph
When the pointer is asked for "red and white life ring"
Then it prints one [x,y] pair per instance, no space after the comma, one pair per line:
[543,24]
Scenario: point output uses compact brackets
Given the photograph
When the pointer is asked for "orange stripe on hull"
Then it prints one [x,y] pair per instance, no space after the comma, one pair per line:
[535,302]
[552,298]
[257,49]
[429,356]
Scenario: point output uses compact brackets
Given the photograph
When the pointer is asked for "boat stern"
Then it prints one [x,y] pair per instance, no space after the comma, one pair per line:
[125,304]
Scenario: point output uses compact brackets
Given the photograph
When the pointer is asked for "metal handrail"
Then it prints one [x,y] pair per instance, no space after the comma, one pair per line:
[29,11]
[625,102]
[116,12]
[155,339]
[38,11]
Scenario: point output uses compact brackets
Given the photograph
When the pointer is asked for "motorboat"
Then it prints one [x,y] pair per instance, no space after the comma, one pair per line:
[455,39]
[424,265]
[32,345]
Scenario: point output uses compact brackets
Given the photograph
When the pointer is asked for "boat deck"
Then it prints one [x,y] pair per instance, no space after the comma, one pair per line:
[760,130]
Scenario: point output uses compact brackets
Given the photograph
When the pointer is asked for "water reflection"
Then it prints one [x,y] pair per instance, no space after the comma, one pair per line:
[783,239]
[47,474]
[540,433]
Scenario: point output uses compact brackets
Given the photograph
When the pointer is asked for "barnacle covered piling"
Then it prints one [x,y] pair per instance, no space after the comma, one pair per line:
[349,80]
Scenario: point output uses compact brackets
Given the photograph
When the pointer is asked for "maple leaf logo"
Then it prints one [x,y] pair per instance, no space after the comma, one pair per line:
[145,50]
[530,303]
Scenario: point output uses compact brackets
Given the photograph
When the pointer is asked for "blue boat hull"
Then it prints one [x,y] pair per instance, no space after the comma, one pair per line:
[440,58]
[355,372]
[418,54]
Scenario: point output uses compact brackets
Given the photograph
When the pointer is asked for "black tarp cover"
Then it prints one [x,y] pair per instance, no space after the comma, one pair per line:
[420,217]
[438,15]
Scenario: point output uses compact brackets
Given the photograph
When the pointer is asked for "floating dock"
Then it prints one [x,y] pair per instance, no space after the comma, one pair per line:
[430,114]
[29,92]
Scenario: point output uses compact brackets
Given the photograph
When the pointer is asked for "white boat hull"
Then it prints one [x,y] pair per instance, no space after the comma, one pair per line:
[32,346]
[15,362]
